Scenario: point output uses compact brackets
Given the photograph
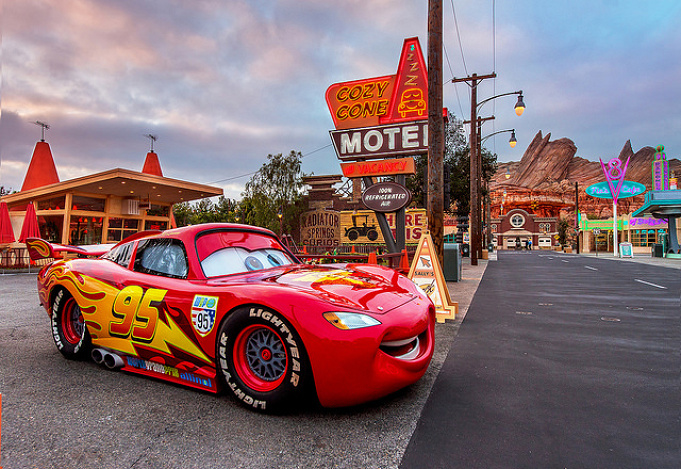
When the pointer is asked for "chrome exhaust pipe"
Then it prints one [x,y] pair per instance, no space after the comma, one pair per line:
[113,361]
[98,355]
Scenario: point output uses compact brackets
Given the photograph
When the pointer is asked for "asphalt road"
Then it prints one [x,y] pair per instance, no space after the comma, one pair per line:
[58,413]
[562,361]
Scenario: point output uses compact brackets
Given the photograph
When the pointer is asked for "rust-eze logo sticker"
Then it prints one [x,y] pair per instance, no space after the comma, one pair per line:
[203,314]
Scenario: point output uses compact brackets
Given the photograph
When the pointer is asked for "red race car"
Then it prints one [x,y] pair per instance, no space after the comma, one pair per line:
[223,306]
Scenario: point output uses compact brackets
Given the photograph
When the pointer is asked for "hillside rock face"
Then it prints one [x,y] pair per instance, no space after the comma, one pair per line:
[544,162]
[544,180]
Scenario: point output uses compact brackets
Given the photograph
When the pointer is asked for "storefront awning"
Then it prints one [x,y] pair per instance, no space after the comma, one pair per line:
[660,204]
[124,183]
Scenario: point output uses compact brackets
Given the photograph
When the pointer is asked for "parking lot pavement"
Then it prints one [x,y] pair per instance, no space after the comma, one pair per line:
[59,413]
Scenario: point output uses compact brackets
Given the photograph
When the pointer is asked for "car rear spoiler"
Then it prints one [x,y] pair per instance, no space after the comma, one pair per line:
[40,249]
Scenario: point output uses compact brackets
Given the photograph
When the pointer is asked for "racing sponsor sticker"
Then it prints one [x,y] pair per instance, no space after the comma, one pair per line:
[203,314]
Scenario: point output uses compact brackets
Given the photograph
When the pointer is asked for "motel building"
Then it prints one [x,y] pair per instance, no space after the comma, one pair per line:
[99,208]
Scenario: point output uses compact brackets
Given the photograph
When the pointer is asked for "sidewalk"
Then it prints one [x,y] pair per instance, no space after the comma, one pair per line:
[640,258]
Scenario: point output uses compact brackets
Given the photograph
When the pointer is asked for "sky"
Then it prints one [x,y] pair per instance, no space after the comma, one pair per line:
[224,83]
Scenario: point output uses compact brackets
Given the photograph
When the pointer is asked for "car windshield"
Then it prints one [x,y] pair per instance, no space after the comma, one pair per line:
[234,260]
[224,252]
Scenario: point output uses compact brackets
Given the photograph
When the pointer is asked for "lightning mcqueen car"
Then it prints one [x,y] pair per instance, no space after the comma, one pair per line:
[222,306]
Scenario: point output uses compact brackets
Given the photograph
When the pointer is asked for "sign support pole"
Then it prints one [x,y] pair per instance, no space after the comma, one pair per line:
[614,227]
[383,223]
[400,219]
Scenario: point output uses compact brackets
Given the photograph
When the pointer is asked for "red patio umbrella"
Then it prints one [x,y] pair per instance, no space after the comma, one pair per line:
[6,231]
[30,227]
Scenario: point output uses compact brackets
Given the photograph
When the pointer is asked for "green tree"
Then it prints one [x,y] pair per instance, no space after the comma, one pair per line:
[563,229]
[272,198]
[457,160]
[7,191]
[206,211]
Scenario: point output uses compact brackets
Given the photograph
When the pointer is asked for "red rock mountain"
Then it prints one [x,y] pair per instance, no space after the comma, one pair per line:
[543,182]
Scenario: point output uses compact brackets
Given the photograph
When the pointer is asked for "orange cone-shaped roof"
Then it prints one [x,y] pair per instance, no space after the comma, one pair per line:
[41,171]
[152,165]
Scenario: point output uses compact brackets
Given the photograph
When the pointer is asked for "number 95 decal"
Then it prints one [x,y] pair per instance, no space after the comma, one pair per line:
[134,315]
[203,314]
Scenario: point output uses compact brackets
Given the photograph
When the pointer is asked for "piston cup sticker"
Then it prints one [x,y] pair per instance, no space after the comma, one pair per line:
[203,314]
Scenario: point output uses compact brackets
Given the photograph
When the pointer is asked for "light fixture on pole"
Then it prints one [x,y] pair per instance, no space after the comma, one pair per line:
[280,214]
[512,141]
[520,105]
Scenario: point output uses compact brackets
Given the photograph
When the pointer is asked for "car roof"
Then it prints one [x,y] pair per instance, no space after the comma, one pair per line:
[189,233]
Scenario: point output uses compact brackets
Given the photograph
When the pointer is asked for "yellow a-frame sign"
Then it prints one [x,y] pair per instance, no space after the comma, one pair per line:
[426,272]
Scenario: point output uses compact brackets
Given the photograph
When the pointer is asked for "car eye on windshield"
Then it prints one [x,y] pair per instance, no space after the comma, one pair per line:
[234,260]
[273,260]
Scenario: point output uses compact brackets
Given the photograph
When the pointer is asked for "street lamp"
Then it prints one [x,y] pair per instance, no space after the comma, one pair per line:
[475,161]
[520,105]
[512,141]
[488,209]
[281,222]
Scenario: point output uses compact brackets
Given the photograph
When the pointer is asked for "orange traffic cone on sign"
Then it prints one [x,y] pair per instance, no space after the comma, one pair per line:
[404,263]
[352,251]
[372,258]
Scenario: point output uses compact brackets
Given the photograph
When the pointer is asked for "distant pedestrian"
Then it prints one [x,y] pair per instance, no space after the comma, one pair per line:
[529,244]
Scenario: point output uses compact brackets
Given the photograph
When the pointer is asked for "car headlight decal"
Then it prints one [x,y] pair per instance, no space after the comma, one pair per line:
[349,321]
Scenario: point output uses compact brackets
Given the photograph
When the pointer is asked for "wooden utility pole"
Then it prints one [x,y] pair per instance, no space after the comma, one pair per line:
[475,166]
[436,144]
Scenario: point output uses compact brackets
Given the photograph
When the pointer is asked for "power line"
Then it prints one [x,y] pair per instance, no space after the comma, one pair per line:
[255,172]
[451,71]
[458,35]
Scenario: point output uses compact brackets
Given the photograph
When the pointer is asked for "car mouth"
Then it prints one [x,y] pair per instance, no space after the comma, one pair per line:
[405,349]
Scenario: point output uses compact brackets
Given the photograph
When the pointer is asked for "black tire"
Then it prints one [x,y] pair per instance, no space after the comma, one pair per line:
[261,360]
[372,235]
[68,327]
[353,234]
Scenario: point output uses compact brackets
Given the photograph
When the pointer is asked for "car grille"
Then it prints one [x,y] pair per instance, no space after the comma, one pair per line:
[406,349]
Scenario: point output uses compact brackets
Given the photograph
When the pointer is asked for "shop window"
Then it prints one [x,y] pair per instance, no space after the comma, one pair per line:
[121,228]
[156,210]
[643,237]
[155,225]
[51,228]
[55,203]
[517,221]
[88,204]
[85,230]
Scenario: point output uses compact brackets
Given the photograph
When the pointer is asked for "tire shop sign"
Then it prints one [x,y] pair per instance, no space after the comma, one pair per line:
[386,197]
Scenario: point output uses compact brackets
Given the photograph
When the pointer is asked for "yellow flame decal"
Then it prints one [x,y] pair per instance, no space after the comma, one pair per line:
[96,300]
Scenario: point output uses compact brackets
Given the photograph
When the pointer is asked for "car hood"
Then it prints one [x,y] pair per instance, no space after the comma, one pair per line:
[364,287]
[358,286]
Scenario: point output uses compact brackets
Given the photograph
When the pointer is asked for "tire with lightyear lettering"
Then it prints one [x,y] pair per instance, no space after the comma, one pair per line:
[261,360]
[68,327]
